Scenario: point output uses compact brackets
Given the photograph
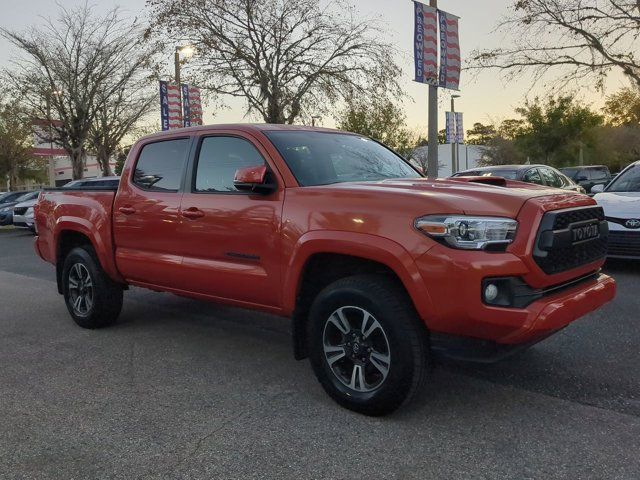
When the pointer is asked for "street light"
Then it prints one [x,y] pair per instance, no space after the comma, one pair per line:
[187,51]
[455,158]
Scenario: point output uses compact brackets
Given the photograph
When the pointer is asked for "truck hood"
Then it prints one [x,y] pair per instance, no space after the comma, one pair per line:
[459,196]
[619,204]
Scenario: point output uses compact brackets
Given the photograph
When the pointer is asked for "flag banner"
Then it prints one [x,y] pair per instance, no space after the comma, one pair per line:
[170,108]
[451,128]
[192,106]
[164,106]
[426,44]
[450,60]
[459,128]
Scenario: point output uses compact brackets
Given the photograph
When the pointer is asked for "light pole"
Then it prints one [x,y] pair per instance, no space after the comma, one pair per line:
[52,166]
[432,159]
[187,51]
[454,145]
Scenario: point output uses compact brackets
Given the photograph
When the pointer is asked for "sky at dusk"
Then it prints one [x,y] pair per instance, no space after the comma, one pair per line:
[485,98]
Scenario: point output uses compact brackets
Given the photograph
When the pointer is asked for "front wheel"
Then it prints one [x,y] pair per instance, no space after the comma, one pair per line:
[367,345]
[92,298]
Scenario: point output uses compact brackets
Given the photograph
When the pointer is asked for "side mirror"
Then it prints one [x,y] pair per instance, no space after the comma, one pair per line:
[597,189]
[253,179]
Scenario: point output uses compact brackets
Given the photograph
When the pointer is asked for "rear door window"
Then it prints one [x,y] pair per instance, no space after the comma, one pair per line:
[532,176]
[550,178]
[161,164]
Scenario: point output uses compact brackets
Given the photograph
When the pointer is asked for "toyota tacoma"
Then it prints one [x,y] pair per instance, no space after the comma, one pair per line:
[380,269]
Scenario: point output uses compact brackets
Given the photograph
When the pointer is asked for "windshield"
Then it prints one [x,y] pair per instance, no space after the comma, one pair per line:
[570,172]
[319,158]
[627,181]
[28,196]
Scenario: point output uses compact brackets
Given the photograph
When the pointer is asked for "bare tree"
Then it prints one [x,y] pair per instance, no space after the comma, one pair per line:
[72,69]
[118,115]
[287,58]
[578,40]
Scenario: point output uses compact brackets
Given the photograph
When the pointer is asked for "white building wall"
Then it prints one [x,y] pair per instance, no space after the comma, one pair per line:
[63,171]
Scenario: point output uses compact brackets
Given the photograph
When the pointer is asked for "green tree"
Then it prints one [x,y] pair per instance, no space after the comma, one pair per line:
[17,161]
[481,134]
[379,118]
[556,130]
[623,108]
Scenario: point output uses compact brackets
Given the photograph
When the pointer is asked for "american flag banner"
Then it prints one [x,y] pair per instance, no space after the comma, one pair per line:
[450,128]
[426,44]
[459,128]
[170,108]
[192,106]
[450,61]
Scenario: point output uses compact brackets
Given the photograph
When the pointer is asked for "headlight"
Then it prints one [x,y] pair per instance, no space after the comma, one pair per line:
[6,209]
[469,233]
[29,212]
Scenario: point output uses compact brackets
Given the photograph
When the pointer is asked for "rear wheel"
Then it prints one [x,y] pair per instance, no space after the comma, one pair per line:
[92,298]
[367,346]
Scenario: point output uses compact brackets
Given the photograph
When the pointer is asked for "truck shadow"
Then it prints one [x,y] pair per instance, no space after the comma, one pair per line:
[259,347]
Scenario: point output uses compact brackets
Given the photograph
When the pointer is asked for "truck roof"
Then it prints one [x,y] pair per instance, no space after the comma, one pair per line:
[244,127]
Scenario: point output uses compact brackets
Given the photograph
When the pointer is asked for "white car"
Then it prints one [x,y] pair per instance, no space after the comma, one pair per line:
[23,214]
[621,202]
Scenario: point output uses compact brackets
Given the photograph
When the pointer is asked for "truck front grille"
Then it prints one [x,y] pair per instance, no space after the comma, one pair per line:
[559,249]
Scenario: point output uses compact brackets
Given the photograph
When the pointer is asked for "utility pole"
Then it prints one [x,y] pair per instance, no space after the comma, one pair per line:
[432,166]
[454,166]
[188,51]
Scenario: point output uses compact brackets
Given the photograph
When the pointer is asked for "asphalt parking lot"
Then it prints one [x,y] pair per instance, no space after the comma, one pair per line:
[183,389]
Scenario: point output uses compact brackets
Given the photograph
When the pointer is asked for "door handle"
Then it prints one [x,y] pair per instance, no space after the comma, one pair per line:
[127,210]
[192,213]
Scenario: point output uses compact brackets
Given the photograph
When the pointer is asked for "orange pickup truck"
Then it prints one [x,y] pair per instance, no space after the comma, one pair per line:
[379,269]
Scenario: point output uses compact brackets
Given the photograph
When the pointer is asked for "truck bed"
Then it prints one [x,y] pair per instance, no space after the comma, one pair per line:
[86,210]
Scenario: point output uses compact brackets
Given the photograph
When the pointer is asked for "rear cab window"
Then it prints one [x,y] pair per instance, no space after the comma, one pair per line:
[160,165]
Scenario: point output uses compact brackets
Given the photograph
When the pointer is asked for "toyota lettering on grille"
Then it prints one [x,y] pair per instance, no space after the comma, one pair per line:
[585,232]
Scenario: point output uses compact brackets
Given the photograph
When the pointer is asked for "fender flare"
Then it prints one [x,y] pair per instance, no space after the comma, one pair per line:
[361,245]
[101,246]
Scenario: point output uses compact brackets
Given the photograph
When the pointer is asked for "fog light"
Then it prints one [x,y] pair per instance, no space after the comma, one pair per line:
[490,292]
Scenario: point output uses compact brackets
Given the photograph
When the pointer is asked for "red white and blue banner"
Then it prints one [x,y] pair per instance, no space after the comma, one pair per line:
[426,43]
[450,127]
[454,128]
[192,106]
[170,107]
[459,128]
[450,61]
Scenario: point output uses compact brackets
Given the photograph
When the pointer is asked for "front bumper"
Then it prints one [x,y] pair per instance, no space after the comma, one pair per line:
[455,278]
[24,222]
[6,219]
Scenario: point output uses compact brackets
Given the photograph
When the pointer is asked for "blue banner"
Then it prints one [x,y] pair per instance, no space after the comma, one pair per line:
[164,106]
[443,49]
[186,105]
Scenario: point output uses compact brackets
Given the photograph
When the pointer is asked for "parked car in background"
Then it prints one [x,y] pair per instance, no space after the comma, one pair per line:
[621,202]
[588,177]
[23,211]
[7,202]
[537,174]
[10,197]
[94,182]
